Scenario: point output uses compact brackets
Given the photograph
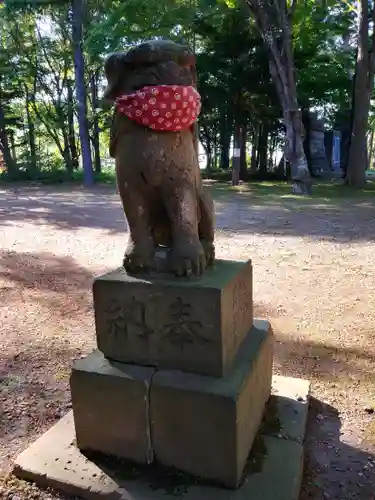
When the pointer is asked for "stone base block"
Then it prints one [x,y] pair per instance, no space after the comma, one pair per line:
[110,405]
[194,325]
[206,426]
[273,470]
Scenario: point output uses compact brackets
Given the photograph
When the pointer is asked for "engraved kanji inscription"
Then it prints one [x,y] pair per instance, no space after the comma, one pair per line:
[128,319]
[183,329]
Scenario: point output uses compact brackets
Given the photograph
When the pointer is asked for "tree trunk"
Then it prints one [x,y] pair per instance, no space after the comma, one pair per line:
[295,153]
[345,128]
[273,21]
[259,146]
[216,150]
[209,157]
[262,152]
[271,153]
[96,130]
[67,153]
[363,86]
[281,170]
[65,148]
[12,143]
[71,132]
[243,159]
[225,136]
[209,161]
[32,167]
[236,166]
[254,149]
[371,150]
[5,149]
[79,66]
[207,144]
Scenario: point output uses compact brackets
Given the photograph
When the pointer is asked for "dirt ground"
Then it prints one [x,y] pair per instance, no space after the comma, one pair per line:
[314,275]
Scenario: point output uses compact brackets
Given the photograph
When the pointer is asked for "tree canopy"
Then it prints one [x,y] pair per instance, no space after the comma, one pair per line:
[46,104]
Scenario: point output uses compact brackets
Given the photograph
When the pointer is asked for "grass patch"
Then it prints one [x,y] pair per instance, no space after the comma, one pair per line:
[259,192]
[106,176]
[326,193]
[60,176]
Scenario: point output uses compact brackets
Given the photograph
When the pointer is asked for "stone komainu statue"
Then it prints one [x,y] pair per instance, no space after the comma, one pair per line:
[154,140]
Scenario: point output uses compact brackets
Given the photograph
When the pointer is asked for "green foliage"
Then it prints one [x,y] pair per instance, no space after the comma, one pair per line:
[322,64]
[120,24]
[58,175]
[32,4]
[326,193]
[38,108]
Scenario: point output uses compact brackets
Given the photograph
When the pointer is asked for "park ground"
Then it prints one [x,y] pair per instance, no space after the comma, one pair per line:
[314,276]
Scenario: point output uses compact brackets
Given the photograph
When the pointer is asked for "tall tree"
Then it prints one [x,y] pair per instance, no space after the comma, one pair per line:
[77,18]
[95,120]
[79,65]
[363,89]
[273,20]
[9,90]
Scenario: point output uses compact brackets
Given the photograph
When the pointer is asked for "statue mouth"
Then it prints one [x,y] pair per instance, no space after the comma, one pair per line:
[169,108]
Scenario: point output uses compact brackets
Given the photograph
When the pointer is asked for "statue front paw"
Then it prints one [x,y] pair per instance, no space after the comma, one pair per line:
[209,251]
[139,257]
[187,258]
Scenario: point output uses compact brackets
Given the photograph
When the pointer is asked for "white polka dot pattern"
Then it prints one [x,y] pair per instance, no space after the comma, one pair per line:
[163,107]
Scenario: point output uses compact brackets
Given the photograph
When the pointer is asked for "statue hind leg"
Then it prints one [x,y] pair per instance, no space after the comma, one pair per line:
[206,225]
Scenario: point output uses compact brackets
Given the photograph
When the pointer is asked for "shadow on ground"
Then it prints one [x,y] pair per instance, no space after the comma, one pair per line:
[58,283]
[324,361]
[41,395]
[34,377]
[334,469]
[34,388]
[44,270]
[339,462]
[265,210]
[43,298]
[66,208]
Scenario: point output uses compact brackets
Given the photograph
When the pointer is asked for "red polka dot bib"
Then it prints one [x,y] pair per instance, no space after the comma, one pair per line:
[163,107]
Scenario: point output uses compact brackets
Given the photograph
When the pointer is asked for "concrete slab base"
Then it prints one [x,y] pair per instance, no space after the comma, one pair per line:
[273,471]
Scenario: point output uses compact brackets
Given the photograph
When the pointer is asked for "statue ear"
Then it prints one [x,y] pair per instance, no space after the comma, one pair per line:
[116,70]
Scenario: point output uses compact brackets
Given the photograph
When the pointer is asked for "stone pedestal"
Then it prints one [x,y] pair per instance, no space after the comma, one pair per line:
[111,411]
[206,426]
[181,375]
[273,470]
[194,325]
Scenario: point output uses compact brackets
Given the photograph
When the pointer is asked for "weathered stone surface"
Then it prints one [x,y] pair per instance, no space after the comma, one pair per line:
[158,173]
[206,426]
[191,325]
[273,470]
[275,473]
[110,405]
[289,407]
[54,461]
[316,151]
